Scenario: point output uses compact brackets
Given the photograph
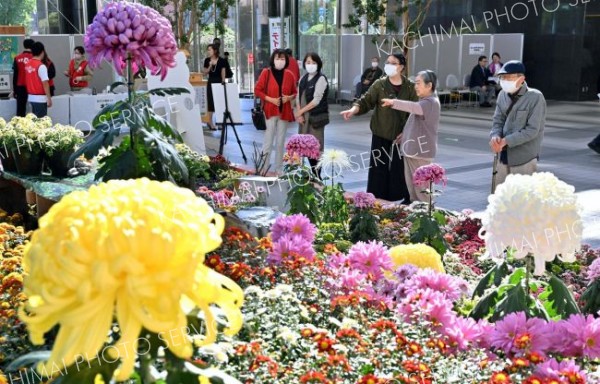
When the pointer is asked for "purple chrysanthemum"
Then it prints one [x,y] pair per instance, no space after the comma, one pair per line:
[364,200]
[123,28]
[296,225]
[464,333]
[429,173]
[450,286]
[371,258]
[552,369]
[290,247]
[304,146]
[517,335]
[405,271]
[593,271]
[580,336]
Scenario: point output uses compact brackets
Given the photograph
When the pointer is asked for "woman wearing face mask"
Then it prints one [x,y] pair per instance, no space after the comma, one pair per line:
[276,87]
[215,67]
[386,167]
[79,72]
[313,110]
[419,139]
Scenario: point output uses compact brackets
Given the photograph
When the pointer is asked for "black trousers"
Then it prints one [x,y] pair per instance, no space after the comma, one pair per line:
[21,96]
[386,171]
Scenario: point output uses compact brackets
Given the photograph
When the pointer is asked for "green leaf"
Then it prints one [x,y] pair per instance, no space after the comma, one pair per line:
[166,161]
[591,298]
[30,360]
[121,163]
[517,276]
[514,301]
[485,306]
[493,277]
[561,298]
[116,84]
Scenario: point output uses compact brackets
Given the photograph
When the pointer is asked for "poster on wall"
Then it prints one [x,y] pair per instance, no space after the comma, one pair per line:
[476,49]
[277,40]
[9,48]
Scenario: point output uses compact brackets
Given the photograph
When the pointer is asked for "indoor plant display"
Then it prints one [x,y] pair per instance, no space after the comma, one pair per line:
[58,145]
[128,35]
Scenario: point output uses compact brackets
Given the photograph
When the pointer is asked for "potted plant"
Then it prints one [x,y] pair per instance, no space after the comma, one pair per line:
[6,140]
[58,145]
[24,142]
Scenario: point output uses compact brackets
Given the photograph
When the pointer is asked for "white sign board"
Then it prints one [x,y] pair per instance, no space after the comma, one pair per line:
[5,85]
[476,49]
[276,39]
[233,102]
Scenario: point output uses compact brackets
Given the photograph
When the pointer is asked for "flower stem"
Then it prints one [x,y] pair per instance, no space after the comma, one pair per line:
[527,272]
[130,94]
[430,199]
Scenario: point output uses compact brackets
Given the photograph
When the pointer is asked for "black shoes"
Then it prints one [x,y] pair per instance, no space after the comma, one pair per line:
[594,146]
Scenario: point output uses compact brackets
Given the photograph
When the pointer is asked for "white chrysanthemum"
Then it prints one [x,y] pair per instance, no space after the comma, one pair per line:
[333,162]
[537,214]
[287,335]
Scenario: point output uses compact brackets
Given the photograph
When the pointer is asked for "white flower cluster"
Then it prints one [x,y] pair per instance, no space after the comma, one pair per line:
[537,214]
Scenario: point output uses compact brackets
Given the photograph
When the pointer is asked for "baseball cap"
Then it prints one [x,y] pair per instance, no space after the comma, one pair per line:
[513,66]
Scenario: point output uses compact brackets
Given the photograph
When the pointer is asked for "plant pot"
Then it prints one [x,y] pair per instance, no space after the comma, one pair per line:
[58,163]
[28,162]
[8,161]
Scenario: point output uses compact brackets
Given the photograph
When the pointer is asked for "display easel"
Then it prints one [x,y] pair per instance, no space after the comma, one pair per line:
[228,120]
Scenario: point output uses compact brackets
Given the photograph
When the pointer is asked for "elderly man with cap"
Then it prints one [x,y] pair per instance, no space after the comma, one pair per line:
[518,124]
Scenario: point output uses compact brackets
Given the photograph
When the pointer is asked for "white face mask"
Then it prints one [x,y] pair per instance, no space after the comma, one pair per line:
[311,68]
[390,69]
[374,64]
[279,64]
[509,86]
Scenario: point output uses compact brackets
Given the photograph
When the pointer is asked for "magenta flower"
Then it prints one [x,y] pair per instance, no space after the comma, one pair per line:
[290,247]
[517,335]
[429,173]
[593,271]
[566,369]
[296,225]
[580,336]
[464,333]
[452,287]
[364,200]
[123,28]
[304,146]
[371,258]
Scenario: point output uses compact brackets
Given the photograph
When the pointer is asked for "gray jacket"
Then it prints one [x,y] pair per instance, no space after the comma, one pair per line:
[523,129]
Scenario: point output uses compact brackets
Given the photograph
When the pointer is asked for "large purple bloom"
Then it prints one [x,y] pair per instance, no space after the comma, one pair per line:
[289,247]
[297,225]
[517,335]
[123,28]
[429,173]
[580,336]
[303,146]
[364,200]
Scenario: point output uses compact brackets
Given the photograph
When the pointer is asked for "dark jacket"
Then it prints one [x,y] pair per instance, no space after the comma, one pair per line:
[386,122]
[371,75]
[479,76]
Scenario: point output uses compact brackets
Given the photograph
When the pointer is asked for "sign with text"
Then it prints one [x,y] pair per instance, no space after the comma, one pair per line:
[277,40]
[476,49]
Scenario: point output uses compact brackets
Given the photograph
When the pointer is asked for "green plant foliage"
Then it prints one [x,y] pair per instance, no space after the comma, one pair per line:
[591,298]
[427,228]
[149,149]
[335,207]
[363,226]
[304,196]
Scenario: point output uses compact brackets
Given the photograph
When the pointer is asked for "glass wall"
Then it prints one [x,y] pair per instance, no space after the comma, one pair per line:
[64,16]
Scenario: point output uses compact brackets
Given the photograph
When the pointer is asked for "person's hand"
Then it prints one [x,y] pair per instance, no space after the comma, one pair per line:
[49,101]
[287,99]
[496,144]
[366,82]
[300,118]
[387,102]
[274,100]
[398,139]
[347,114]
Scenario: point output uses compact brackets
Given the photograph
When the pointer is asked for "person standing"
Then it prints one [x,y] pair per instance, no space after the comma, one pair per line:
[368,77]
[36,79]
[420,136]
[386,166]
[51,72]
[479,82]
[79,72]
[518,123]
[19,86]
[215,67]
[276,87]
[494,68]
[312,107]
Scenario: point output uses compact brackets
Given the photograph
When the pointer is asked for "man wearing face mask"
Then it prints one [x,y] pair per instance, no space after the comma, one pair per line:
[518,124]
[368,77]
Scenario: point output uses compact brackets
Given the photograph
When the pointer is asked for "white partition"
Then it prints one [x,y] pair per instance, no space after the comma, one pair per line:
[473,46]
[8,108]
[60,110]
[508,45]
[85,107]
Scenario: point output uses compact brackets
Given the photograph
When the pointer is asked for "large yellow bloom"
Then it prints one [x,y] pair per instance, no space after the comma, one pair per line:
[419,255]
[127,250]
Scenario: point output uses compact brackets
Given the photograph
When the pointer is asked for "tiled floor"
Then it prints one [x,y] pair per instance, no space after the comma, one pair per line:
[463,150]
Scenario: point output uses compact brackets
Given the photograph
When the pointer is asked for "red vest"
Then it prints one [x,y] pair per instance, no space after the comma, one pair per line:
[32,79]
[75,72]
[22,59]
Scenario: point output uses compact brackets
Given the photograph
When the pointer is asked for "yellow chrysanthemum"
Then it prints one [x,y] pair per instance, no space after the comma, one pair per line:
[419,255]
[126,249]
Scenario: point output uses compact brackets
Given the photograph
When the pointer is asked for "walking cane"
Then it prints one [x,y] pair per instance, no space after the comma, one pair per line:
[494,172]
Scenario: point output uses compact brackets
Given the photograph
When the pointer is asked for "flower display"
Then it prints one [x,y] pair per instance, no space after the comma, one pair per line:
[303,145]
[132,249]
[123,28]
[294,225]
[371,258]
[61,138]
[333,162]
[420,255]
[431,173]
[534,214]
[593,272]
[364,200]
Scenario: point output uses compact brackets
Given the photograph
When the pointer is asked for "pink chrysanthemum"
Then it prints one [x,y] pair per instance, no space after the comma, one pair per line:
[123,28]
[371,258]
[463,333]
[364,200]
[452,287]
[566,369]
[304,146]
[429,173]
[290,247]
[580,336]
[517,335]
[593,271]
[296,225]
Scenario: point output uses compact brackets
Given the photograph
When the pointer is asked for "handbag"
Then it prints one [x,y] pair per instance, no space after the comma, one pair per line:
[258,115]
[318,121]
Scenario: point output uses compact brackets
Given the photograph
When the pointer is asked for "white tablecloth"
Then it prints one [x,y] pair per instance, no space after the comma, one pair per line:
[8,108]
